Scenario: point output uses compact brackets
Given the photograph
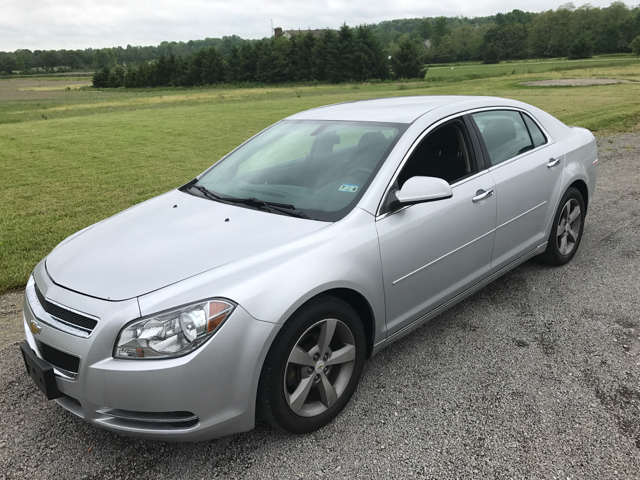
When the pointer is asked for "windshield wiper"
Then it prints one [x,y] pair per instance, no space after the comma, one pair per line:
[207,193]
[284,208]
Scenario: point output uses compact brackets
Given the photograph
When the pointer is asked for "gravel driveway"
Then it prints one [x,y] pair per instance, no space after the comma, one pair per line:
[536,376]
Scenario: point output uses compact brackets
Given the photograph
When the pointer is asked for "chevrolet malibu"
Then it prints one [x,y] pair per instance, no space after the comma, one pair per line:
[260,287]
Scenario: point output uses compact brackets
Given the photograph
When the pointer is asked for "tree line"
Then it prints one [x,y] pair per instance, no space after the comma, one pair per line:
[565,32]
[350,54]
[27,61]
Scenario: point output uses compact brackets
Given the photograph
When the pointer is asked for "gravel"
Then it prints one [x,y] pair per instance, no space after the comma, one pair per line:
[535,376]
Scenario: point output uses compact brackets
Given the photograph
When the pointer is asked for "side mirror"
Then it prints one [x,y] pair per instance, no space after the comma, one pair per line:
[423,189]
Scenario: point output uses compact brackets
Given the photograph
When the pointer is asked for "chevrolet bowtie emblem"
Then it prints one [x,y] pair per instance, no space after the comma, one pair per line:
[33,326]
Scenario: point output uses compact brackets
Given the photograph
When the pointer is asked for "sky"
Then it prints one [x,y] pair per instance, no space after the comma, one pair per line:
[79,24]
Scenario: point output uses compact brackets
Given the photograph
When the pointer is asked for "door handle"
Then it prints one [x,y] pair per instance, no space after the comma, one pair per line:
[482,195]
[552,163]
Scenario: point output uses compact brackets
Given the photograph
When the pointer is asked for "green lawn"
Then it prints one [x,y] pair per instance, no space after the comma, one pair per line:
[97,153]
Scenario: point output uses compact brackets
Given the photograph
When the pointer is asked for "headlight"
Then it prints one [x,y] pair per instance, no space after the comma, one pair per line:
[174,333]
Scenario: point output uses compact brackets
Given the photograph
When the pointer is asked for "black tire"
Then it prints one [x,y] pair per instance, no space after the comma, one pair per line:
[558,253]
[318,407]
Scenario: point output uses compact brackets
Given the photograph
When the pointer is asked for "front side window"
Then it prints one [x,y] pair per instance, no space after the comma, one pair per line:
[445,153]
[504,133]
[318,168]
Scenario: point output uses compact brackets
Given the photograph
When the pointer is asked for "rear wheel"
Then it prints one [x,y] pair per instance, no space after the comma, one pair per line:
[567,229]
[313,366]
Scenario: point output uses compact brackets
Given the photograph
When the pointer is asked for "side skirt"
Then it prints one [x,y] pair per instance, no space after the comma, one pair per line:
[457,299]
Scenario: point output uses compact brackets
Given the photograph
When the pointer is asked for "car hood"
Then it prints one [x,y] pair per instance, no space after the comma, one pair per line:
[165,240]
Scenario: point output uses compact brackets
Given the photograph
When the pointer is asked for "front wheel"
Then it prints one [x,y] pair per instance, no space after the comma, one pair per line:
[566,231]
[313,366]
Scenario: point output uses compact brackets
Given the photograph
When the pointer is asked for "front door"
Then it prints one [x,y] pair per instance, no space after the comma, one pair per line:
[432,251]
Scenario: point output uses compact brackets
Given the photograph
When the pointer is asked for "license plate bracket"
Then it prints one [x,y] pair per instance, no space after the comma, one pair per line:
[41,372]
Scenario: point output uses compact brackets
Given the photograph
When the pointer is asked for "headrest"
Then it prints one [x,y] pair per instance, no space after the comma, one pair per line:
[371,138]
[327,139]
[502,128]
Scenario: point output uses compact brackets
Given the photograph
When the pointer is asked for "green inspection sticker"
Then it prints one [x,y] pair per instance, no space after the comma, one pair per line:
[349,187]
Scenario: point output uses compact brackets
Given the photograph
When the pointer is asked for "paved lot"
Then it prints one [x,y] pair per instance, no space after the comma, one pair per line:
[536,376]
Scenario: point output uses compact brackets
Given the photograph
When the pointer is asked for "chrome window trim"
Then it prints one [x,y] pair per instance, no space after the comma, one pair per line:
[550,139]
[414,145]
[433,126]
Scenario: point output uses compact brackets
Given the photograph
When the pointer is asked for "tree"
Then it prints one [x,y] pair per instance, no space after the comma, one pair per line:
[213,67]
[369,60]
[635,47]
[274,64]
[582,47]
[506,42]
[232,74]
[116,77]
[131,77]
[408,59]
[101,78]
[323,49]
[440,30]
[301,56]
[424,29]
[104,58]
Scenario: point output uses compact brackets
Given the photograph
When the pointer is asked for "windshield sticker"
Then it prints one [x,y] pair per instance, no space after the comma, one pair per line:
[348,187]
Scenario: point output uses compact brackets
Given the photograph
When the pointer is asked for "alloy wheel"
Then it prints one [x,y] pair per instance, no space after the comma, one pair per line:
[569,226]
[319,367]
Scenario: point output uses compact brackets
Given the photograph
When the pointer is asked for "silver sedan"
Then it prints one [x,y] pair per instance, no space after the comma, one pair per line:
[260,287]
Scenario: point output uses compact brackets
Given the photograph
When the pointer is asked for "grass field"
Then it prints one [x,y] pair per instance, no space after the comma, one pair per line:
[71,155]
[474,70]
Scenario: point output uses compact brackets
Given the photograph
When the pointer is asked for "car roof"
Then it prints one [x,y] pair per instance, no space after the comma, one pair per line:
[397,109]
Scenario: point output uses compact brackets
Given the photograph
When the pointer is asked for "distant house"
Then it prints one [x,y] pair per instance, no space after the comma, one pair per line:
[426,44]
[278,32]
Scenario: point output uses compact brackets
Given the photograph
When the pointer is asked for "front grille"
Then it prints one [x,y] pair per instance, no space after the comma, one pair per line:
[67,364]
[66,316]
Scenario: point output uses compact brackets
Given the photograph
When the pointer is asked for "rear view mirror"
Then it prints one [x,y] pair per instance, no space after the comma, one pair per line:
[423,189]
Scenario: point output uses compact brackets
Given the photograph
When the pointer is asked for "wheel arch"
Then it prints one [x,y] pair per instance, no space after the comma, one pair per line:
[581,186]
[362,307]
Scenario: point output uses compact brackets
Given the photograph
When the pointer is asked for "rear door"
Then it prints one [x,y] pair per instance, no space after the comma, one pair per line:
[527,169]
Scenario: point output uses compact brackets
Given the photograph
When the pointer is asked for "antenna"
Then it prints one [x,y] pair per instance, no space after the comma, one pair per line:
[273,33]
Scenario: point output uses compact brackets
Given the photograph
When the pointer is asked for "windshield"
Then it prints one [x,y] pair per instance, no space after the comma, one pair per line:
[318,168]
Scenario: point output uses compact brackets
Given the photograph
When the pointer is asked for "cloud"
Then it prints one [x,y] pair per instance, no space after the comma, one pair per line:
[71,24]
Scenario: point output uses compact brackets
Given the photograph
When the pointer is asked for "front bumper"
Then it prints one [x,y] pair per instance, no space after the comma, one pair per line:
[206,394]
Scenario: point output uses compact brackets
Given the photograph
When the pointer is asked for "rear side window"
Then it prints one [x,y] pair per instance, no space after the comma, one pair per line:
[536,134]
[504,133]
